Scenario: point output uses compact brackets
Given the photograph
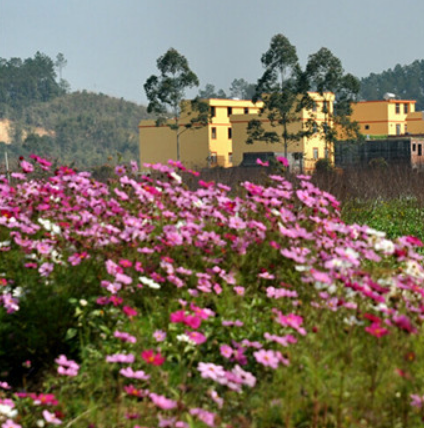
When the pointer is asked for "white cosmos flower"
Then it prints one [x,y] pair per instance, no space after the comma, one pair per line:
[149,282]
[8,411]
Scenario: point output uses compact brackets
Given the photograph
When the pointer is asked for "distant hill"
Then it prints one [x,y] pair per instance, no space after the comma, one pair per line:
[39,115]
[80,128]
[407,82]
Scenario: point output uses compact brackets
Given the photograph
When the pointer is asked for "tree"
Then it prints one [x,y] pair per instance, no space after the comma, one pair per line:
[326,75]
[242,89]
[282,91]
[60,63]
[168,90]
[210,92]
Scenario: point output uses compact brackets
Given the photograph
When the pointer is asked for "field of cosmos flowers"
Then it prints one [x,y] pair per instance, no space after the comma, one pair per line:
[140,303]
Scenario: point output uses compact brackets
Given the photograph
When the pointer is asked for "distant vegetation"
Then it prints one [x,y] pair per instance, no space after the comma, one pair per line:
[407,82]
[84,129]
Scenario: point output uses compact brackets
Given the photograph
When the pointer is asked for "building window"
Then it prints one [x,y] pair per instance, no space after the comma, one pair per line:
[398,129]
[414,147]
[397,108]
[213,111]
[315,153]
[230,133]
[213,133]
[420,150]
[214,158]
[325,107]
[246,110]
[230,157]
[405,108]
[367,127]
[229,111]
[314,106]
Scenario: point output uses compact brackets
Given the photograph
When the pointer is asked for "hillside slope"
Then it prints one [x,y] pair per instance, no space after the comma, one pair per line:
[81,128]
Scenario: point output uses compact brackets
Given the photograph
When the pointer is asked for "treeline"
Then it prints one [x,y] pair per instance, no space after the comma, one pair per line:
[82,129]
[24,82]
[406,82]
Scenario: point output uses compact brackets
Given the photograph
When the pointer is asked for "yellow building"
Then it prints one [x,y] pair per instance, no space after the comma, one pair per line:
[222,142]
[308,149]
[383,117]
[209,145]
[415,123]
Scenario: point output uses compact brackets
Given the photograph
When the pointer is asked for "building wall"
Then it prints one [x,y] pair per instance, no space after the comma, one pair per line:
[382,117]
[159,144]
[210,145]
[415,123]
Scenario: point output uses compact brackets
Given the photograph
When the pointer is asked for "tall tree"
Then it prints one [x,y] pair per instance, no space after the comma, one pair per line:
[326,75]
[282,91]
[60,63]
[168,90]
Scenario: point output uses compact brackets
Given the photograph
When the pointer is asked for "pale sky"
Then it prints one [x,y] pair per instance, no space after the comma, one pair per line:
[112,45]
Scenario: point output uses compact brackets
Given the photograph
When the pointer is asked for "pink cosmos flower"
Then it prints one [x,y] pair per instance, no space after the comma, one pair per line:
[261,162]
[151,357]
[282,160]
[404,323]
[63,361]
[10,424]
[44,399]
[291,320]
[377,330]
[130,373]
[125,337]
[266,275]
[122,278]
[120,358]
[162,402]
[206,417]
[417,401]
[236,223]
[120,170]
[4,385]
[132,390]
[211,371]
[51,418]
[46,269]
[192,321]
[159,335]
[226,351]
[26,167]
[215,397]
[239,290]
[197,337]
[268,358]
[129,312]
[177,317]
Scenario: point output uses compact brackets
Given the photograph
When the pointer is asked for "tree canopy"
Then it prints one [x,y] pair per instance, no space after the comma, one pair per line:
[167,90]
[282,91]
[407,82]
[23,82]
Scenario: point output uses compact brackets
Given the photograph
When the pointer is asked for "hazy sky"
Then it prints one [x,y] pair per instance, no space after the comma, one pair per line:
[112,45]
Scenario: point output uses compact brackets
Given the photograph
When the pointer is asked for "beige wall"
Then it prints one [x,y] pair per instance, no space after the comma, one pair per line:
[159,144]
